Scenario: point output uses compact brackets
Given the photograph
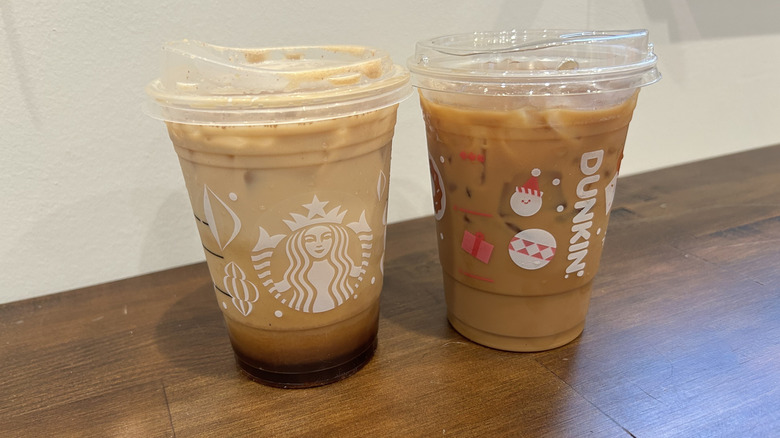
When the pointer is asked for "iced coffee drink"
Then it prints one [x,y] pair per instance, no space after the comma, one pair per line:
[524,155]
[289,194]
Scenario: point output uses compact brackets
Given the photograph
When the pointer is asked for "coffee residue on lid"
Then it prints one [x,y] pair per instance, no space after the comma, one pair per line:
[204,83]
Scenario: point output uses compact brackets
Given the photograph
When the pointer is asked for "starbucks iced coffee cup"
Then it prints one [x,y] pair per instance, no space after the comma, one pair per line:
[285,153]
[525,136]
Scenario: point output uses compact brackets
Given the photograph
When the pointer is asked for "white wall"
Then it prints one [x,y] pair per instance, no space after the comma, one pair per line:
[91,189]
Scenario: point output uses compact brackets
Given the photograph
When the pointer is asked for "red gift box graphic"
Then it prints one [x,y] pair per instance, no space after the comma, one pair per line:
[475,245]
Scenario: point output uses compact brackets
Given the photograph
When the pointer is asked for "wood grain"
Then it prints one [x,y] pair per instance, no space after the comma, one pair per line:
[682,339]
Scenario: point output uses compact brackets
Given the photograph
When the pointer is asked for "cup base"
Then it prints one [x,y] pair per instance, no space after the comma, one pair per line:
[317,376]
[516,344]
[522,323]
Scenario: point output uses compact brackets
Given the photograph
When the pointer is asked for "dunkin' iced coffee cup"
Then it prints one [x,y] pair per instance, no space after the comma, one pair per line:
[286,156]
[525,136]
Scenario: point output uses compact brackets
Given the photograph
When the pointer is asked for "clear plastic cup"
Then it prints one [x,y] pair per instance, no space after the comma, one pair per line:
[285,153]
[525,132]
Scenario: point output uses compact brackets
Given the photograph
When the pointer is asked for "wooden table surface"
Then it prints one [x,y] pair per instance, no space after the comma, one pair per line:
[682,339]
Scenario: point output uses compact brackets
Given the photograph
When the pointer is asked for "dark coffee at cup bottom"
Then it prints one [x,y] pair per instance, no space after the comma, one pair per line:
[305,358]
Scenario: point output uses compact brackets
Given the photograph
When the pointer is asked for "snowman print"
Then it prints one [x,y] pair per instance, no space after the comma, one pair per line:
[527,200]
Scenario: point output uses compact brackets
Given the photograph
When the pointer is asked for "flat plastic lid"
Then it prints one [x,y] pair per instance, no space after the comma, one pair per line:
[211,85]
[535,62]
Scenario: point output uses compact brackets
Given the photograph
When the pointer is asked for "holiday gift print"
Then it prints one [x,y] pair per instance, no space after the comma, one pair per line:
[475,245]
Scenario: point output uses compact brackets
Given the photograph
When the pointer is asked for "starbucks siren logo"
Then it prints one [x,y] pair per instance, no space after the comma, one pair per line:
[320,272]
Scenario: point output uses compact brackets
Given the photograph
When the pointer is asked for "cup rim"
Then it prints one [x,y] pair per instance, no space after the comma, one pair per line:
[460,62]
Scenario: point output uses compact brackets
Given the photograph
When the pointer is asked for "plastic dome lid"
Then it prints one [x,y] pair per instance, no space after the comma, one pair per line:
[535,62]
[207,84]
